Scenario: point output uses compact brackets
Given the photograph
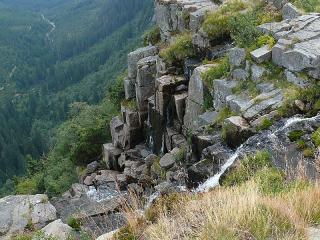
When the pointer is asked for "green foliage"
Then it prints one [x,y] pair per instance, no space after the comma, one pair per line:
[308,152]
[116,91]
[74,223]
[216,24]
[179,50]
[295,135]
[307,5]
[301,144]
[40,79]
[208,101]
[220,69]
[248,168]
[223,114]
[152,37]
[316,137]
[130,104]
[249,86]
[158,170]
[265,124]
[266,40]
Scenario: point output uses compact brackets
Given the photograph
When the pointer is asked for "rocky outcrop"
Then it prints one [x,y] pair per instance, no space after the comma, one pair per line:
[298,47]
[23,212]
[179,16]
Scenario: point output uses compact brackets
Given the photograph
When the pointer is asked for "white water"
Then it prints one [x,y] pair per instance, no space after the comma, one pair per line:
[214,180]
[102,194]
[52,24]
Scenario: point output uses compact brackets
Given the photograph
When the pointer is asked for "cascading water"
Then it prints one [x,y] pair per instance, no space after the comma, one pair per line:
[214,180]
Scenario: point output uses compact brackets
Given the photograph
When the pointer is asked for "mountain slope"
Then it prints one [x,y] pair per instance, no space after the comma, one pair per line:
[41,75]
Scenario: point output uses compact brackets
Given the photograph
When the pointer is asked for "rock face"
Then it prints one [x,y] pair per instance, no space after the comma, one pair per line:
[178,16]
[298,47]
[22,211]
[196,97]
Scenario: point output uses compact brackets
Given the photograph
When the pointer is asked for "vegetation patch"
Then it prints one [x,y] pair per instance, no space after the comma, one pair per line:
[220,69]
[179,50]
[295,135]
[152,36]
[265,124]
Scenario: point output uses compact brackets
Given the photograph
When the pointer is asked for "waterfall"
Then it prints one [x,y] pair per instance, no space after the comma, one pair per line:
[214,180]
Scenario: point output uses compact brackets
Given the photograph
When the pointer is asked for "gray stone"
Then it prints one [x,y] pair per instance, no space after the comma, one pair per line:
[178,141]
[237,57]
[277,3]
[180,105]
[93,166]
[20,210]
[293,78]
[149,160]
[313,233]
[239,74]
[257,72]
[278,51]
[137,55]
[111,155]
[201,40]
[169,159]
[236,131]
[289,11]
[106,177]
[57,229]
[207,118]
[238,103]
[222,89]
[108,236]
[117,132]
[262,54]
[77,190]
[129,88]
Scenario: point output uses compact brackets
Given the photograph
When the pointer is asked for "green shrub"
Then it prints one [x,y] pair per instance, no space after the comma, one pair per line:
[247,168]
[308,152]
[271,180]
[316,137]
[295,135]
[301,144]
[266,40]
[216,24]
[223,114]
[220,69]
[307,5]
[265,124]
[179,50]
[152,37]
[130,104]
[74,223]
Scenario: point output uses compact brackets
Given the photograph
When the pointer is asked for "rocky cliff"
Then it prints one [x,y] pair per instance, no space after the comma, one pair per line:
[183,126]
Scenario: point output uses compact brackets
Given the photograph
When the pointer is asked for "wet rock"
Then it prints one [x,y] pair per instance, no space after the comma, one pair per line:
[111,155]
[58,230]
[202,141]
[289,11]
[137,55]
[237,57]
[262,54]
[236,131]
[17,212]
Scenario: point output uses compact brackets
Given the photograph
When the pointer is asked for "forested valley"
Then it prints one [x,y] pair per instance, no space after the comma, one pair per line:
[59,65]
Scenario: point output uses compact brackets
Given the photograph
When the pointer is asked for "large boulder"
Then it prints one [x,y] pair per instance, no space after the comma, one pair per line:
[222,89]
[58,229]
[289,11]
[237,57]
[236,130]
[24,211]
[117,132]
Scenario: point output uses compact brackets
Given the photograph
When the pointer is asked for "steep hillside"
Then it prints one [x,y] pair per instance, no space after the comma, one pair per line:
[68,54]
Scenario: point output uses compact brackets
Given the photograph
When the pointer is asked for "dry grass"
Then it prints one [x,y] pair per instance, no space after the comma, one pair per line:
[240,212]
